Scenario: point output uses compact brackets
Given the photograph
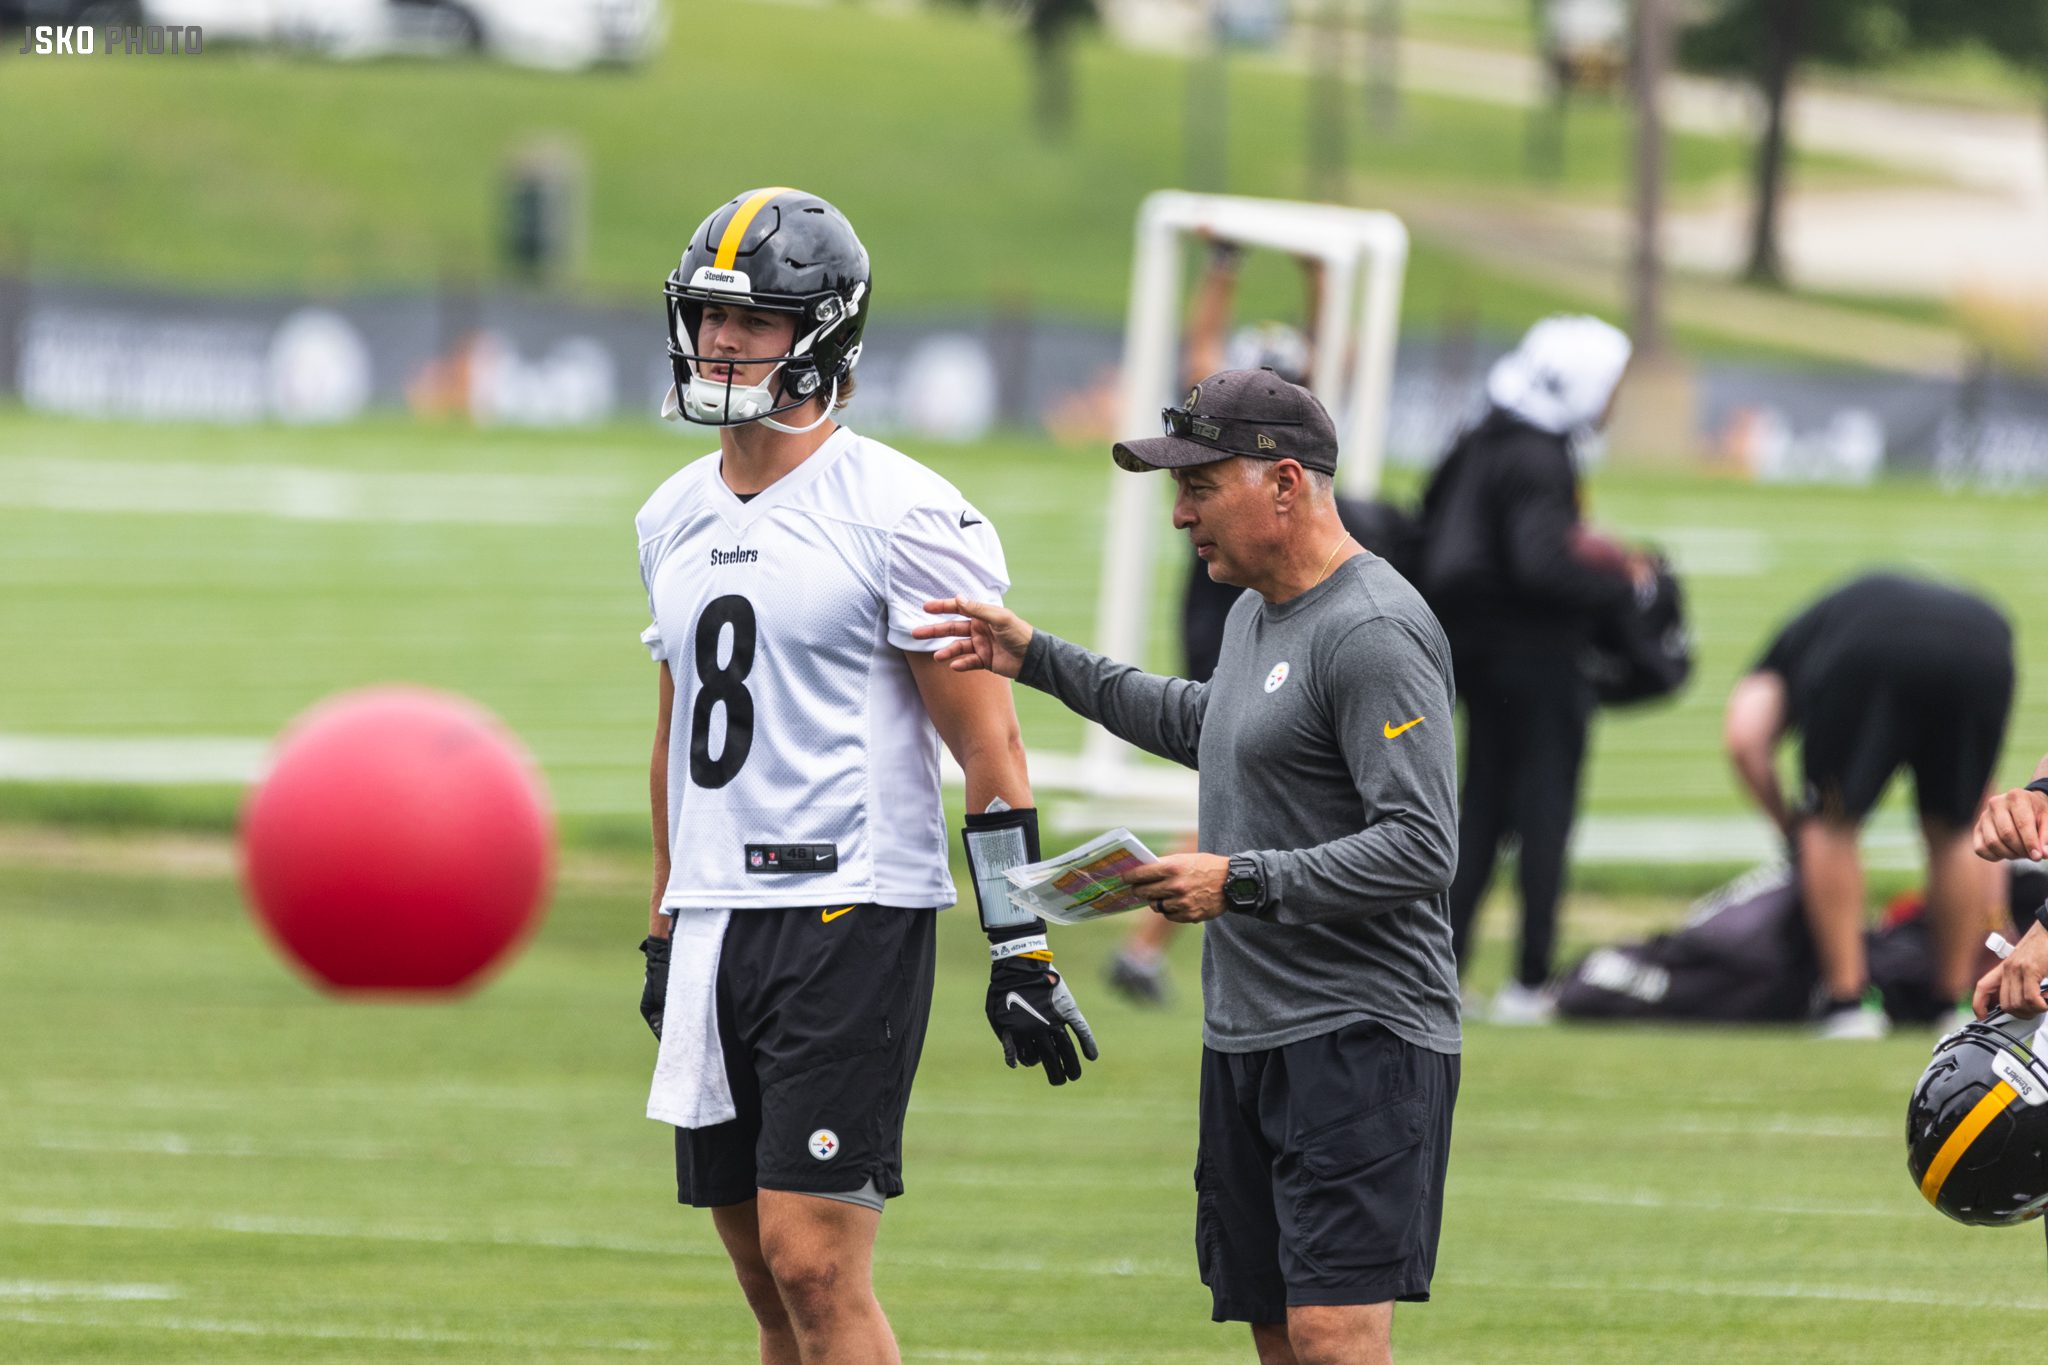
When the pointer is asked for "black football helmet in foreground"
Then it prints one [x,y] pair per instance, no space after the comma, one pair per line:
[1977,1125]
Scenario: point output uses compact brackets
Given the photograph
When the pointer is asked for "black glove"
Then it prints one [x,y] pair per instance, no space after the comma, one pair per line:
[1031,1009]
[654,993]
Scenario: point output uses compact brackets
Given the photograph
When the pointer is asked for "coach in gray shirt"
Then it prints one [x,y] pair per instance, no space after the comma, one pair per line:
[1328,838]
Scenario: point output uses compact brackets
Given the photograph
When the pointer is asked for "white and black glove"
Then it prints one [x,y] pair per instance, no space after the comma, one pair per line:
[1029,1005]
[1031,1010]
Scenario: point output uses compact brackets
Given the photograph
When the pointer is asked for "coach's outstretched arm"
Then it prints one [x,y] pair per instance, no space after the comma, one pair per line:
[1029,1004]
[1160,715]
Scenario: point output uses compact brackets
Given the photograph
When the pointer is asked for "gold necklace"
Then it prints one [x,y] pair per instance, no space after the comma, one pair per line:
[1326,562]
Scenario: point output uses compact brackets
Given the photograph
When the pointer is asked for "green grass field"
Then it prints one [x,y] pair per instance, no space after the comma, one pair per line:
[202,1159]
[246,573]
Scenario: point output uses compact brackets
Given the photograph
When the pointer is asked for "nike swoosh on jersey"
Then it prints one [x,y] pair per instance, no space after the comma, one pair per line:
[827,916]
[966,520]
[1389,729]
[1017,1002]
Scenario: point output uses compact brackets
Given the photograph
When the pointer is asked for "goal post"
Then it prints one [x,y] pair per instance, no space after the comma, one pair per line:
[1364,255]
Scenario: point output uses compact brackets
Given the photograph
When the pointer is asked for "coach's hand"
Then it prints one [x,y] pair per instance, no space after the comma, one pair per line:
[991,636]
[2014,825]
[654,991]
[1185,887]
[2014,985]
[1031,1009]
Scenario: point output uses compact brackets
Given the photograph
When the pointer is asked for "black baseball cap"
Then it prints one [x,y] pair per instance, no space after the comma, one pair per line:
[1254,413]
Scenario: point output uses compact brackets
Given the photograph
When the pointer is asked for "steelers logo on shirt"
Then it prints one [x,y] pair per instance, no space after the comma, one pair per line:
[1277,676]
[824,1144]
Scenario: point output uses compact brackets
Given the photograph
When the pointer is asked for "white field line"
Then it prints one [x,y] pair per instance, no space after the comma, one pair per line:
[298,493]
[44,1290]
[310,1331]
[1645,838]
[355,1230]
[136,760]
[1663,1203]
[415,1335]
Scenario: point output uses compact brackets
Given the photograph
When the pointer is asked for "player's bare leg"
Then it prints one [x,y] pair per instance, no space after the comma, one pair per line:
[1963,904]
[1269,1339]
[739,1227]
[821,1255]
[1831,882]
[1328,1334]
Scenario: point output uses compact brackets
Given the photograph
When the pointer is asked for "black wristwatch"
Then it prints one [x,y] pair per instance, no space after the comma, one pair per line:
[1244,886]
[2039,784]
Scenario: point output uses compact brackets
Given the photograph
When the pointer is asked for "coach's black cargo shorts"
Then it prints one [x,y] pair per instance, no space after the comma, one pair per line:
[821,1013]
[1320,1176]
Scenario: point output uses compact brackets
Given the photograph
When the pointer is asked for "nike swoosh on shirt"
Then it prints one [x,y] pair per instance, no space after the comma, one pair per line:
[1017,1002]
[1389,729]
[827,916]
[966,520]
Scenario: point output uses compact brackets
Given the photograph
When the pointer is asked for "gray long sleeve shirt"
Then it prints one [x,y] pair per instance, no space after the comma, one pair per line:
[1325,747]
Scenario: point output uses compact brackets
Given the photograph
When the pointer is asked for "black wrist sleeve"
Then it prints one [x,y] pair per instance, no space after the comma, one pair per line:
[997,841]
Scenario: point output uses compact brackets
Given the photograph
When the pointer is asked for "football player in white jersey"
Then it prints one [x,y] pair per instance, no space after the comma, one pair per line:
[800,848]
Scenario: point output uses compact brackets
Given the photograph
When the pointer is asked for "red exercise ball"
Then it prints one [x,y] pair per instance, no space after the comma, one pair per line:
[401,841]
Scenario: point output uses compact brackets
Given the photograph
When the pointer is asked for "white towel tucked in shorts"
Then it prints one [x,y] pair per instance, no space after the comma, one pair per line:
[690,1086]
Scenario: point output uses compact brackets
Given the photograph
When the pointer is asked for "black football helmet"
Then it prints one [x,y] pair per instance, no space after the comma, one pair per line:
[782,251]
[1977,1125]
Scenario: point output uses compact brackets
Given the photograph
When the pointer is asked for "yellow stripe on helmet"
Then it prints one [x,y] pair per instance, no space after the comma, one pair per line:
[736,230]
[1976,1121]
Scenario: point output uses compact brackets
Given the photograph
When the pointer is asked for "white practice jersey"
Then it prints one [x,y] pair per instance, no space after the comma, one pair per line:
[802,766]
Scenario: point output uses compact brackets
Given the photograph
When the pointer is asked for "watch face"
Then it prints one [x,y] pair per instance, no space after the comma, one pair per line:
[1241,890]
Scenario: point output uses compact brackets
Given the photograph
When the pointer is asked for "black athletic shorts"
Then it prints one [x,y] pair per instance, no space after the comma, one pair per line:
[1942,717]
[821,1012]
[1320,1177]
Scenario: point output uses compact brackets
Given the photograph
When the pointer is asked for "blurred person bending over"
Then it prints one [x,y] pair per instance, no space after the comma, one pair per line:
[1883,672]
[1502,566]
[800,845]
[1328,807]
[1138,970]
[2014,824]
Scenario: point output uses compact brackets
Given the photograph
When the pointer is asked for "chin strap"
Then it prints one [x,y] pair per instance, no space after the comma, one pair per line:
[823,417]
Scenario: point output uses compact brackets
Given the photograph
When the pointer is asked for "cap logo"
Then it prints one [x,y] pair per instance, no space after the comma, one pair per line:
[1194,396]
[1266,442]
[1208,431]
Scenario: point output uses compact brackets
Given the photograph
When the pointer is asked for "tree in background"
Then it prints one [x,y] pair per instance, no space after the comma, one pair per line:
[2017,30]
[1049,26]
[1766,42]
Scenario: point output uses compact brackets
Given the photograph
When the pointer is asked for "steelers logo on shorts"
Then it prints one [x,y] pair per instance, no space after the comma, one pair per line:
[824,1144]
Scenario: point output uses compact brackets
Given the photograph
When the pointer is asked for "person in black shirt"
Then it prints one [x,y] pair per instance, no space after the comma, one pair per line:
[1505,566]
[1883,672]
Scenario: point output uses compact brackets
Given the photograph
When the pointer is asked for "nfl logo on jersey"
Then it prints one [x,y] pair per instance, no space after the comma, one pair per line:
[754,858]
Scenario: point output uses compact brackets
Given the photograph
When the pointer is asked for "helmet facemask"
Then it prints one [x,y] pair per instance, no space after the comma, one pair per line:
[794,379]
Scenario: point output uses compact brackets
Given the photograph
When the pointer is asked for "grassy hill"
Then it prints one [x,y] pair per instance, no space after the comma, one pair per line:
[247,170]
